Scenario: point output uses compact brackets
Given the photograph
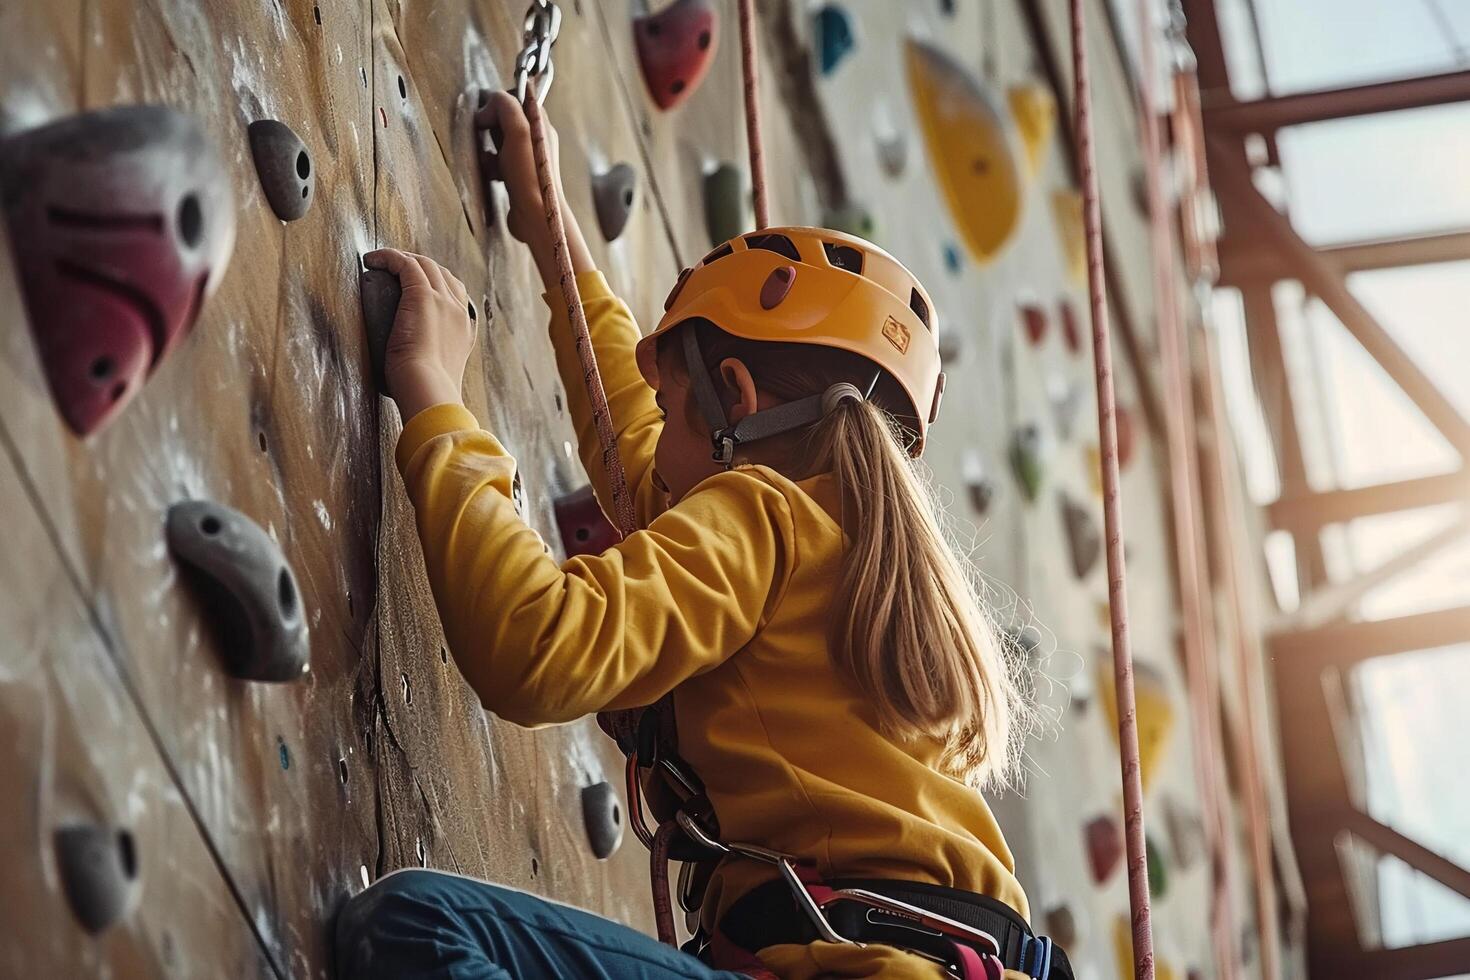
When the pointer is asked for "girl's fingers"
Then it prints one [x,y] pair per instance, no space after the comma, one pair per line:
[456,287]
[433,272]
[402,264]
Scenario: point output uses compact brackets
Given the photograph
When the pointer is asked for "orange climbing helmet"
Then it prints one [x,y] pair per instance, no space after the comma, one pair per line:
[805,286]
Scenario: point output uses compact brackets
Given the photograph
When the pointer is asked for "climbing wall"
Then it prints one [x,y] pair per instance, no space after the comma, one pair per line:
[169,818]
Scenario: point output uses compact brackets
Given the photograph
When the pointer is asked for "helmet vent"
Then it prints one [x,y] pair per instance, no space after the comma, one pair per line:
[920,308]
[844,257]
[717,254]
[779,244]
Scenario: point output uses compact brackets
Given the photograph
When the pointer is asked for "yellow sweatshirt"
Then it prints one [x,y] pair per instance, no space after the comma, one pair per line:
[723,599]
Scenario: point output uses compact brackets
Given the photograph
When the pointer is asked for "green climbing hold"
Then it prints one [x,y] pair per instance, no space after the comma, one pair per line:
[724,203]
[1026,460]
[853,219]
[1158,870]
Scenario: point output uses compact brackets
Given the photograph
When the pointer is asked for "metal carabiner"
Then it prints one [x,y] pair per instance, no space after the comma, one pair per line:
[542,27]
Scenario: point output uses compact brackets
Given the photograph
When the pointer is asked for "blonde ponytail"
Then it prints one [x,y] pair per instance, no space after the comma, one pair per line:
[908,629]
[911,633]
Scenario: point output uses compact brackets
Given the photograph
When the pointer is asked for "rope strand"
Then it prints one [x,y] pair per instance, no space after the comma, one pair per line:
[750,74]
[607,437]
[1138,896]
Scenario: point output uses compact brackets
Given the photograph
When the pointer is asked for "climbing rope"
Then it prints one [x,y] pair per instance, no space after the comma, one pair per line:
[1138,897]
[749,70]
[534,72]
[1184,490]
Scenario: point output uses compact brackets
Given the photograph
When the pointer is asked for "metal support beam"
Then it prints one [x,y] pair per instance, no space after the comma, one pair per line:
[1269,115]
[1349,644]
[1331,602]
[1304,513]
[1325,282]
[1243,262]
[1389,841]
[1424,962]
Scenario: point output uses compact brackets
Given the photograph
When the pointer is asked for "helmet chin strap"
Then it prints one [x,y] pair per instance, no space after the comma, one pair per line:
[783,418]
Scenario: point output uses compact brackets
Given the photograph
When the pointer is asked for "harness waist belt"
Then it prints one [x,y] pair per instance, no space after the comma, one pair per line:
[768,916]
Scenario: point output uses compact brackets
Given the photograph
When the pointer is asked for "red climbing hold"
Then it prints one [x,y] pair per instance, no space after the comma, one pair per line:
[1071,329]
[675,49]
[585,529]
[1123,419]
[121,221]
[1033,318]
[1104,847]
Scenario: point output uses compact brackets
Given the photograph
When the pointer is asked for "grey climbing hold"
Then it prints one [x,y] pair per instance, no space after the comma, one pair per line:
[284,167]
[724,203]
[99,872]
[1083,540]
[380,295]
[977,480]
[247,586]
[613,194]
[602,815]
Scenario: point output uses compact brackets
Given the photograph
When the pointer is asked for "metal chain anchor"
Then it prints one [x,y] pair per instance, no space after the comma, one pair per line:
[542,27]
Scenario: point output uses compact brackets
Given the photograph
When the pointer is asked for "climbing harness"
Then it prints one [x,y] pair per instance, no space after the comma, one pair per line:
[1138,897]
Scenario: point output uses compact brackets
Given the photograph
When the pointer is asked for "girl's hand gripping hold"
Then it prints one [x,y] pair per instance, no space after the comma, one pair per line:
[432,334]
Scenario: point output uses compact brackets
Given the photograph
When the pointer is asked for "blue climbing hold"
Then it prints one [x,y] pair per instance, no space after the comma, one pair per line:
[833,37]
[952,258]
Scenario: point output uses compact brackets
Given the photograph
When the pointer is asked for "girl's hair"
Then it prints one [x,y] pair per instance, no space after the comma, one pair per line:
[908,628]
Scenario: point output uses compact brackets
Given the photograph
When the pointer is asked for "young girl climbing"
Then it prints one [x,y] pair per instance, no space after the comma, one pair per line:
[837,689]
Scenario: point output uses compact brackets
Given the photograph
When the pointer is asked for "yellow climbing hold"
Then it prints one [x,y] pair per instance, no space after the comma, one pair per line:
[1035,110]
[971,148]
[1155,713]
[1066,208]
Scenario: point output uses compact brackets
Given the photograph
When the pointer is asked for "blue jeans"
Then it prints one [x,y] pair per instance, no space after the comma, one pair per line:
[422,924]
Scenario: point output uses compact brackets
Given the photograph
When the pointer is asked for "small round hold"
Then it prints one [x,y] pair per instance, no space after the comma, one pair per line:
[602,815]
[99,871]
[777,286]
[284,166]
[613,194]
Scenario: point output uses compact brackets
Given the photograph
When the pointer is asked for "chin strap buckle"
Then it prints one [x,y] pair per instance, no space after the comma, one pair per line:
[724,443]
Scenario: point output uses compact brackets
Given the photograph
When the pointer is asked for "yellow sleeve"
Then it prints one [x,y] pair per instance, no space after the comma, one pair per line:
[542,644]
[635,416]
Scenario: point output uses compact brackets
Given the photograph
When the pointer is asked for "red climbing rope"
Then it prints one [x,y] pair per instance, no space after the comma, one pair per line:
[607,437]
[1199,633]
[1143,941]
[749,69]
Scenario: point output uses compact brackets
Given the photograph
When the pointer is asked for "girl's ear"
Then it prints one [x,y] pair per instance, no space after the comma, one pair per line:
[738,381]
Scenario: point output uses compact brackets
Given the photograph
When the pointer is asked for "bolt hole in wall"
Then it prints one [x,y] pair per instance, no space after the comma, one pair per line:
[260,440]
[402,88]
[127,853]
[342,769]
[535,867]
[286,594]
[285,753]
[407,691]
[191,220]
[443,653]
